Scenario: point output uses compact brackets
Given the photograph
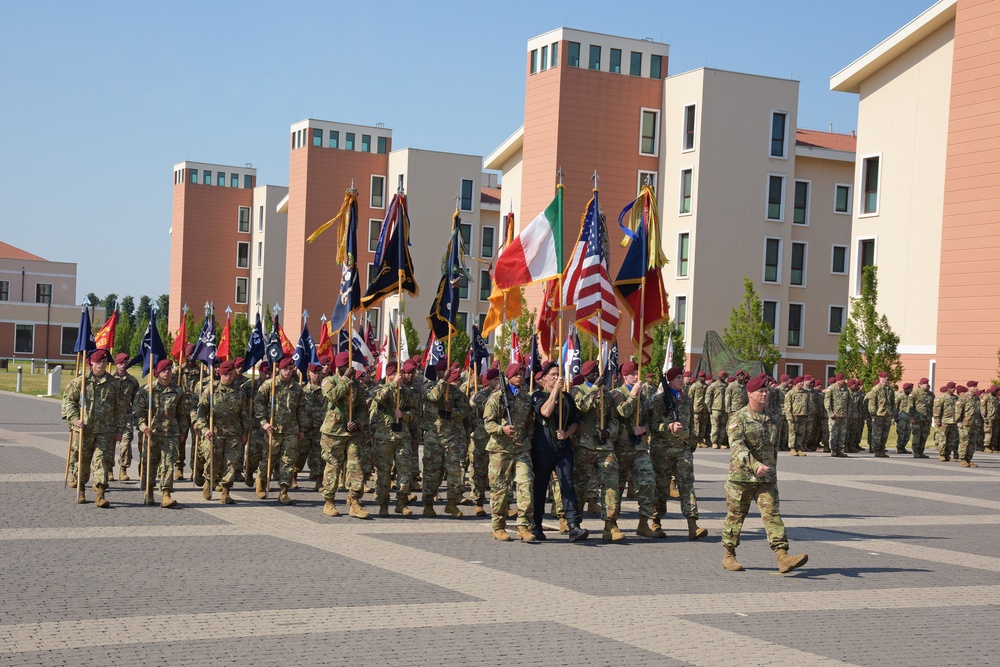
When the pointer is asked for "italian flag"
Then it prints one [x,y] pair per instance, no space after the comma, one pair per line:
[536,253]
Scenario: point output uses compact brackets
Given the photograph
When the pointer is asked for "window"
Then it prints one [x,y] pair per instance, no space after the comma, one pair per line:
[374,227]
[635,64]
[399,183]
[24,338]
[487,234]
[260,219]
[234,180]
[687,142]
[838,259]
[795,324]
[378,192]
[842,198]
[383,145]
[194,175]
[4,290]
[595,57]
[775,197]
[349,141]
[555,54]
[206,177]
[467,188]
[334,138]
[866,257]
[798,272]
[836,319]
[680,314]
[533,60]
[683,254]
[616,61]
[793,370]
[366,143]
[248,182]
[462,321]
[465,230]
[243,220]
[485,285]
[800,213]
[778,133]
[655,67]
[260,254]
[221,179]
[257,300]
[68,340]
[573,55]
[644,177]
[371,273]
[242,255]
[769,310]
[242,284]
[544,61]
[647,139]
[43,292]
[772,260]
[463,286]
[685,191]
[870,180]
[480,321]
[317,137]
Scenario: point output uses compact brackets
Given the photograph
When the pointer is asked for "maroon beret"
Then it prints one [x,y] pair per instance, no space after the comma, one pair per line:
[628,368]
[578,380]
[265,367]
[708,377]
[342,359]
[491,374]
[808,378]
[723,375]
[391,368]
[313,368]
[454,374]
[512,369]
[960,389]
[649,376]
[883,374]
[923,381]
[326,359]
[673,373]
[730,380]
[993,389]
[951,385]
[121,358]
[161,366]
[238,362]
[454,364]
[838,377]
[972,383]
[756,384]
[441,365]
[907,385]
[98,355]
[227,367]
[189,349]
[285,362]
[588,367]
[701,374]
[687,374]
[409,366]
[784,376]
[943,389]
[798,379]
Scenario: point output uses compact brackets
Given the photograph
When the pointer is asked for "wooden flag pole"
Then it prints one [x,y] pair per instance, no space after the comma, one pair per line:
[83,419]
[600,361]
[270,436]
[350,364]
[148,496]
[72,428]
[246,449]
[211,427]
[642,340]
[194,432]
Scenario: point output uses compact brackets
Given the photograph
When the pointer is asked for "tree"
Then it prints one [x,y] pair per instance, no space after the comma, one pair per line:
[412,337]
[110,302]
[459,346]
[92,300]
[137,335]
[239,335]
[123,335]
[588,347]
[127,306]
[163,306]
[748,335]
[680,354]
[663,333]
[144,307]
[867,344]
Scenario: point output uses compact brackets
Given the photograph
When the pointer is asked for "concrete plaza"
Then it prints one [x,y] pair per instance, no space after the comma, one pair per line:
[903,570]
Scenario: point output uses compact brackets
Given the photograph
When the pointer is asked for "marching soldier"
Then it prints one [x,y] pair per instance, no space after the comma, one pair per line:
[393,436]
[189,378]
[632,446]
[129,387]
[284,422]
[170,418]
[223,417]
[447,436]
[715,397]
[309,448]
[345,419]
[477,449]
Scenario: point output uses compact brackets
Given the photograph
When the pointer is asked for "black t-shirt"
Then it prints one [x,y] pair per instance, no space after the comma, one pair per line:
[546,427]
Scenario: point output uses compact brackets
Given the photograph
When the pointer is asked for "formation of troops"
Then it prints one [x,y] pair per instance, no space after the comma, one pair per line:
[584,443]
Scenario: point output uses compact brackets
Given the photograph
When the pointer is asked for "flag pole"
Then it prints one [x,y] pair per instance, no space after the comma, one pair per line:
[562,360]
[211,418]
[69,445]
[270,435]
[350,364]
[83,418]
[147,497]
[600,361]
[399,286]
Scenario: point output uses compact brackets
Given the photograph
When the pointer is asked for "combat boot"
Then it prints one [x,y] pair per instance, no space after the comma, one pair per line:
[429,508]
[72,482]
[944,458]
[729,562]
[593,508]
[206,490]
[356,510]
[788,563]
[259,486]
[694,532]
[81,496]
[101,501]
[295,479]
[654,524]
[248,480]
[178,474]
[501,534]
[644,530]
[401,507]
[576,533]
[611,532]
[330,509]
[122,475]
[452,509]
[480,510]
[225,498]
[383,510]
[283,496]
[166,500]
[563,525]
[674,493]
[525,535]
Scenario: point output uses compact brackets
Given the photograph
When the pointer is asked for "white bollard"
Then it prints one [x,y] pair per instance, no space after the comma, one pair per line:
[20,375]
[55,381]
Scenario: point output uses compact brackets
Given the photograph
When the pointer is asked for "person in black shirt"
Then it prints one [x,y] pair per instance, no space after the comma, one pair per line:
[551,449]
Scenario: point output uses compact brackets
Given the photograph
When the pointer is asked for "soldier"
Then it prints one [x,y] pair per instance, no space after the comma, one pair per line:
[922,415]
[838,405]
[861,416]
[820,427]
[753,436]
[736,393]
[700,412]
[283,420]
[969,417]
[393,408]
[129,386]
[632,446]
[905,405]
[418,394]
[779,392]
[258,439]
[715,402]
[309,450]
[99,421]
[190,377]
[344,418]
[477,449]
[945,408]
[796,410]
[670,446]
[991,418]
[170,418]
[223,417]
[881,406]
[509,418]
[445,442]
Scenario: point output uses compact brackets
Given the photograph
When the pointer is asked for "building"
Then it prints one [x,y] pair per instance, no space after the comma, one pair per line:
[926,203]
[38,316]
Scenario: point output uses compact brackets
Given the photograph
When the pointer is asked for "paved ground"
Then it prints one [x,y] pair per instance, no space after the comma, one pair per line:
[903,570]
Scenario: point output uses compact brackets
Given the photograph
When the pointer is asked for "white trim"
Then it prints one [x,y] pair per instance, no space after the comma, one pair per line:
[247,244]
[68,326]
[917,349]
[767,197]
[777,317]
[802,324]
[781,250]
[847,259]
[249,219]
[850,198]
[860,257]
[656,129]
[680,194]
[809,195]
[829,318]
[829,375]
[818,153]
[36,274]
[694,130]
[770,127]
[641,176]
[371,190]
[860,191]
[14,348]
[677,273]
[796,373]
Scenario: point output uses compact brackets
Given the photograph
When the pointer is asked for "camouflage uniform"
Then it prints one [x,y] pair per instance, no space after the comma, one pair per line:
[753,436]
[189,377]
[228,421]
[445,440]
[171,417]
[779,393]
[991,419]
[670,454]
[861,417]
[796,410]
[922,416]
[477,448]
[341,450]
[715,401]
[905,404]
[418,395]
[103,416]
[309,449]
[820,434]
[510,456]
[129,388]
[289,419]
[631,451]
[393,447]
[881,406]
[838,405]
[701,413]
[593,456]
[970,425]
[946,438]
[257,447]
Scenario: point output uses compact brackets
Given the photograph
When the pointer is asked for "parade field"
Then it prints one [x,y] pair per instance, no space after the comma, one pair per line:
[903,570]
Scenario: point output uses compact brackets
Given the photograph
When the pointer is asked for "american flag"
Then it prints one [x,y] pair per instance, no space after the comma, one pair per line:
[586,283]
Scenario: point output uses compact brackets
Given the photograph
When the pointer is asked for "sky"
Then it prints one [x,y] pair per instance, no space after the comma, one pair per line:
[101,99]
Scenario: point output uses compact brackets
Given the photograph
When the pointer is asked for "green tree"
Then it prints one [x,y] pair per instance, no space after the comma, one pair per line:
[144,306]
[867,344]
[680,354]
[459,346]
[268,319]
[123,335]
[412,337]
[110,303]
[92,299]
[588,347]
[163,306]
[127,306]
[239,335]
[137,334]
[748,335]
[663,333]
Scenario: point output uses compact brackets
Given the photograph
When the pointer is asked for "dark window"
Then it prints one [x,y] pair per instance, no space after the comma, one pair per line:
[778,134]
[485,285]
[383,145]
[683,251]
[775,195]
[555,54]
[24,338]
[772,260]
[689,119]
[616,61]
[242,285]
[800,215]
[595,57]
[487,239]
[770,316]
[206,177]
[647,144]
[838,263]
[248,181]
[193,175]
[465,230]
[334,138]
[836,319]
[220,179]
[685,191]
[544,61]
[871,185]
[635,63]
[533,60]
[349,141]
[374,227]
[798,274]
[234,180]
[366,143]
[68,341]
[243,255]
[680,313]
[43,292]
[243,223]
[655,67]
[378,191]
[843,199]
[467,190]
[795,324]
[317,137]
[573,57]
[463,287]
[4,290]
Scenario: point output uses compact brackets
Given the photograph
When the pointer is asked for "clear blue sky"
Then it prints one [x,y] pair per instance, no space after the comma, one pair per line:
[101,99]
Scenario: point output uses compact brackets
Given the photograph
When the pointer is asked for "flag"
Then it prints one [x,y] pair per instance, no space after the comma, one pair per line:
[504,304]
[85,334]
[668,358]
[180,342]
[611,366]
[361,354]
[435,353]
[204,347]
[646,213]
[222,351]
[343,340]
[383,358]
[404,344]
[444,308]
[286,345]
[393,271]
[105,338]
[586,283]
[634,272]
[255,346]
[350,197]
[305,352]
[274,350]
[571,362]
[325,345]
[536,253]
[349,294]
[479,354]
[534,362]
[151,345]
[516,356]
[370,338]
[548,317]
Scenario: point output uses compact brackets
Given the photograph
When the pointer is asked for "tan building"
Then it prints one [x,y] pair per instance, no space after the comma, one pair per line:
[269,220]
[927,186]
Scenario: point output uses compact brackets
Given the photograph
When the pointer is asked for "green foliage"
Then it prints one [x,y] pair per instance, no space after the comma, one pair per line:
[996,380]
[163,306]
[144,306]
[268,319]
[867,344]
[748,335]
[137,334]
[680,354]
[459,346]
[239,335]
[412,337]
[127,306]
[663,333]
[110,303]
[92,299]
[123,335]
[588,348]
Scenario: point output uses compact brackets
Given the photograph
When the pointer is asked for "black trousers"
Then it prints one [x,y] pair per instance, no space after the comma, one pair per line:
[544,460]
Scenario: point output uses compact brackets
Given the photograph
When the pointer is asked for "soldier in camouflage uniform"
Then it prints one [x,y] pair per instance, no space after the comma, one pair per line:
[861,416]
[418,387]
[445,441]
[702,415]
[838,406]
[190,376]
[129,387]
[670,446]
[753,476]
[905,405]
[309,448]
[393,435]
[991,418]
[344,420]
[796,410]
[285,427]
[778,394]
[477,449]
[99,422]
[715,397]
[946,437]
[632,446]
[922,417]
[171,416]
[736,394]
[820,424]
[881,407]
[510,420]
[969,416]
[223,418]
[257,447]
